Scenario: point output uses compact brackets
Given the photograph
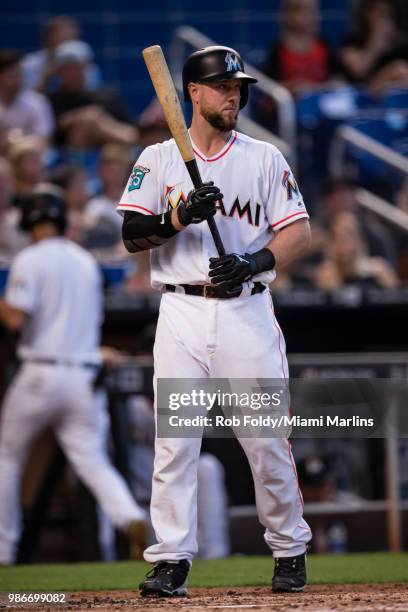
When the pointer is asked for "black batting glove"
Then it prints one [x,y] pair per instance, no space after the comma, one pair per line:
[200,204]
[230,271]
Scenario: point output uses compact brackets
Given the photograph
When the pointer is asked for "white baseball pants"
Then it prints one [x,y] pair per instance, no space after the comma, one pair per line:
[62,397]
[238,338]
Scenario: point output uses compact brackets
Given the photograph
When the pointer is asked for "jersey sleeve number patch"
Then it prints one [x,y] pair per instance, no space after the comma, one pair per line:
[137,176]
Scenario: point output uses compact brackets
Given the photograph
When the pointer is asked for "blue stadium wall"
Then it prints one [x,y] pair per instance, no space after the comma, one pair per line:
[118,30]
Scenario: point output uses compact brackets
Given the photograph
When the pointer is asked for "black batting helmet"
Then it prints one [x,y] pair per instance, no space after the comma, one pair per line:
[45,204]
[216,64]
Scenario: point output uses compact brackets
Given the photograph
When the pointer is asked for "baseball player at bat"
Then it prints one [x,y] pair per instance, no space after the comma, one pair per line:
[216,316]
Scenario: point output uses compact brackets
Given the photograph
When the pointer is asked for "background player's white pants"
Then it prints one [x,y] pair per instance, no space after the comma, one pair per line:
[61,397]
[237,338]
[212,509]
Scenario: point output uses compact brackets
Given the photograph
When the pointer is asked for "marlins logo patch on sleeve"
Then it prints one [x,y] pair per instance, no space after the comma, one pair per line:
[289,183]
[137,176]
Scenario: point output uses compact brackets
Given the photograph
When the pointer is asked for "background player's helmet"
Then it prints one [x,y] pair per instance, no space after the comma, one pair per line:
[45,204]
[216,64]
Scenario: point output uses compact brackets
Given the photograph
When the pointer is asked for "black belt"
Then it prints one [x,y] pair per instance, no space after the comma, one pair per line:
[49,361]
[212,291]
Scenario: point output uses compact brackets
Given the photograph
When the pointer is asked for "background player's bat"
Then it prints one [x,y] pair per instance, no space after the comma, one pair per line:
[170,103]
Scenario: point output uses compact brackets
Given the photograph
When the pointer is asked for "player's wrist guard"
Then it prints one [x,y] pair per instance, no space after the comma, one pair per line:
[262,261]
[145,232]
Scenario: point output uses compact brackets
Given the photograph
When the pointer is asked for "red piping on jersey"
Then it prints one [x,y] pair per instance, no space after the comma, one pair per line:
[213,159]
[137,206]
[290,217]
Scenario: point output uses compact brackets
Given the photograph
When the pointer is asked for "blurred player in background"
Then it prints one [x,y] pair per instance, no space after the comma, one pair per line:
[54,297]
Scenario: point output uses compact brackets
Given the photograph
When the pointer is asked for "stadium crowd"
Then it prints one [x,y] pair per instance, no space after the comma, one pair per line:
[60,122]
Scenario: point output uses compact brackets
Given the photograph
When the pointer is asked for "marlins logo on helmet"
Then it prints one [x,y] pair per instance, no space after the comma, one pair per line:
[232,61]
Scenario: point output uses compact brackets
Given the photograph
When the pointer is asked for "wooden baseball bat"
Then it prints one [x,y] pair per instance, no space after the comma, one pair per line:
[170,103]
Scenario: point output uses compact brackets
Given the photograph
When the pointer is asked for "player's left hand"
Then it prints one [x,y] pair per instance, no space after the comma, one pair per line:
[230,271]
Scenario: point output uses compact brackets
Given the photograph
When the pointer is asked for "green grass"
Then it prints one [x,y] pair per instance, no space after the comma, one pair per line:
[236,571]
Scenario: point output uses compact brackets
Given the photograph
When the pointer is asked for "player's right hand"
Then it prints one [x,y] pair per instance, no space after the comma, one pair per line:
[200,204]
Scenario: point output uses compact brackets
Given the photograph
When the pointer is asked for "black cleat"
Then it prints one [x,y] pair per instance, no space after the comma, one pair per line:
[166,580]
[290,574]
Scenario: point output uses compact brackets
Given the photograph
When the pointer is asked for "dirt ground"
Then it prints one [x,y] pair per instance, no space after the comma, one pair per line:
[324,598]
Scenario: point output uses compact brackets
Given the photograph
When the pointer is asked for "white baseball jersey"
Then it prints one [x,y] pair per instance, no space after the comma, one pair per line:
[65,310]
[260,196]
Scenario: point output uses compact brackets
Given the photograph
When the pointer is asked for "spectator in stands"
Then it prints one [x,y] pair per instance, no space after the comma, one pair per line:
[152,124]
[86,119]
[23,110]
[376,53]
[300,59]
[402,197]
[340,196]
[73,181]
[81,227]
[39,68]
[391,72]
[26,158]
[346,262]
[401,236]
[12,239]
[5,134]
[114,166]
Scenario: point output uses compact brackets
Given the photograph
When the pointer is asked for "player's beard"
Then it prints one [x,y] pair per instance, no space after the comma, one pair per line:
[218,121]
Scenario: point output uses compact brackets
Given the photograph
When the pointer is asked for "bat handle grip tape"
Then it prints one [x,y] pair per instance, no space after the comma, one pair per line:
[197,182]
